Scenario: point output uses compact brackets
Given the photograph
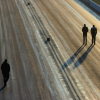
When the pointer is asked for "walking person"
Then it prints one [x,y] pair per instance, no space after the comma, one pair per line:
[5,67]
[85,30]
[93,33]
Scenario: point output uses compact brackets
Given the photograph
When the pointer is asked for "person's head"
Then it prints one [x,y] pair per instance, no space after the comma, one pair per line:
[93,25]
[84,25]
[5,60]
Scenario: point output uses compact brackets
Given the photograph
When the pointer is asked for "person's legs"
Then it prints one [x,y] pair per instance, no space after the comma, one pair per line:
[6,77]
[86,39]
[83,39]
[4,81]
[92,39]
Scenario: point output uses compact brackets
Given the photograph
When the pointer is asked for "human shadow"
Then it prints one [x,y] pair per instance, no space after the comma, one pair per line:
[83,57]
[72,58]
[2,88]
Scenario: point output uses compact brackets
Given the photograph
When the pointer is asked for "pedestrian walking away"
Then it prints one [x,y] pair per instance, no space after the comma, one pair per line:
[93,33]
[5,68]
[85,30]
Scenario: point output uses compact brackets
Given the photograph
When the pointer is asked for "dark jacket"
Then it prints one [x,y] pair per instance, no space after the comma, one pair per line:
[93,31]
[84,30]
[5,67]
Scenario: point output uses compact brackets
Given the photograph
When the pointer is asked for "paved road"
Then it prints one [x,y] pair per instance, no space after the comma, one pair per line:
[64,20]
[31,77]
[34,75]
[89,8]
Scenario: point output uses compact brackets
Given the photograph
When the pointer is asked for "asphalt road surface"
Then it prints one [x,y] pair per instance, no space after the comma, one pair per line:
[90,9]
[61,69]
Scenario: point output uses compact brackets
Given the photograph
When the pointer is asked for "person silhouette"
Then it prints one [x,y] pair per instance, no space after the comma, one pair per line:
[93,33]
[85,30]
[5,68]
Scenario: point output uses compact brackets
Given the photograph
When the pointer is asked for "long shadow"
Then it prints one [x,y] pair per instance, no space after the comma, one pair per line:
[2,88]
[90,9]
[66,64]
[83,57]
